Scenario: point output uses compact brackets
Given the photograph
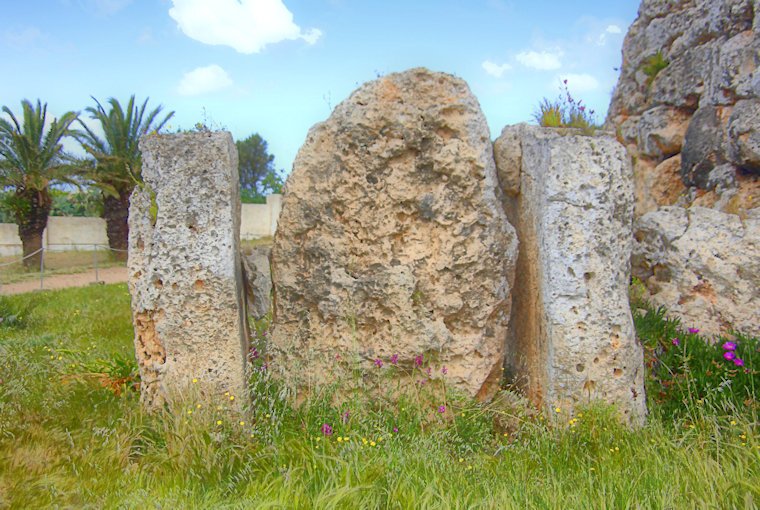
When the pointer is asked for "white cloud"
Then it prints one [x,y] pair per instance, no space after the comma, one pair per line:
[495,69]
[245,25]
[544,60]
[613,29]
[204,80]
[579,83]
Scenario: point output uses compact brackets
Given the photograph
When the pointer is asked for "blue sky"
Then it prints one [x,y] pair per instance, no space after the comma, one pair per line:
[277,67]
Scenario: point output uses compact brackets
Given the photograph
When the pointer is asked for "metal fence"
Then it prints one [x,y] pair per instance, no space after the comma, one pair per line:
[96,248]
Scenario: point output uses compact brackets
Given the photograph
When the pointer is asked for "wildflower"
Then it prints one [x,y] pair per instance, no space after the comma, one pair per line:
[441,409]
[693,331]
[195,380]
[379,363]
[733,422]
[242,423]
[198,406]
[461,459]
[676,341]
[394,359]
[232,397]
[429,371]
[327,429]
[218,422]
[340,439]
[418,360]
[738,362]
[557,410]
[729,346]
[395,430]
[444,370]
[254,354]
[729,355]
[345,415]
[372,443]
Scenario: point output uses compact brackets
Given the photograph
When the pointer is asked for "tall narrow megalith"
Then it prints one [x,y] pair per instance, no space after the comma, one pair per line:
[572,340]
[184,267]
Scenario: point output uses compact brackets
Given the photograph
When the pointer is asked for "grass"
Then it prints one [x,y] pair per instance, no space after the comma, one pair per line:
[63,262]
[73,435]
[653,65]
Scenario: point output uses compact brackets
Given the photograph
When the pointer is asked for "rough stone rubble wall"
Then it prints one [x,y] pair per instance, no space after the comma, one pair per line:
[693,128]
[571,339]
[184,267]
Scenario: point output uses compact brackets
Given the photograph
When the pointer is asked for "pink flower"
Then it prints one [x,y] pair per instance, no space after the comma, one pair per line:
[693,331]
[729,355]
[444,370]
[379,363]
[738,362]
[676,341]
[729,346]
[418,360]
[394,359]
[346,414]
[395,430]
[327,429]
[441,409]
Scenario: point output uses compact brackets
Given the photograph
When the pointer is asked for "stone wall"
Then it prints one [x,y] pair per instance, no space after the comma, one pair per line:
[687,104]
[62,233]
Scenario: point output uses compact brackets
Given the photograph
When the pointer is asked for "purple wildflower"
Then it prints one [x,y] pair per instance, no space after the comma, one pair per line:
[693,331]
[379,363]
[327,429]
[444,370]
[441,409]
[346,414]
[738,362]
[429,371]
[395,430]
[729,346]
[676,341]
[418,360]
[729,355]
[394,359]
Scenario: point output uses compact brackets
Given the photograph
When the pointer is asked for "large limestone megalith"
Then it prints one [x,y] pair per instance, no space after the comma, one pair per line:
[571,199]
[392,240]
[184,267]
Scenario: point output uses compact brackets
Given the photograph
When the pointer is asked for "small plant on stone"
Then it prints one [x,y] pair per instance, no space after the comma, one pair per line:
[565,112]
[653,65]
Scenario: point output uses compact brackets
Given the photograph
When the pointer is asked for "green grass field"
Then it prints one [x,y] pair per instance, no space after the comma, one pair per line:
[73,435]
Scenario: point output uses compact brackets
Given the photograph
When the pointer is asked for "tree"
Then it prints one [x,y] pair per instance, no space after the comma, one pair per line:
[30,160]
[118,162]
[254,162]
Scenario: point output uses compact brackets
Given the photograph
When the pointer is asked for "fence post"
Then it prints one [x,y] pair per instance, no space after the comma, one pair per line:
[95,259]
[42,265]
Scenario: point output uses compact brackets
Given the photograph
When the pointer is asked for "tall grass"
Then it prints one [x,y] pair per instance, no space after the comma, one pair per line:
[72,435]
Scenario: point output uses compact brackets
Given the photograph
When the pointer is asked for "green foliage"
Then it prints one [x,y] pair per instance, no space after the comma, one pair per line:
[118,161]
[653,65]
[565,112]
[258,176]
[69,439]
[685,370]
[84,202]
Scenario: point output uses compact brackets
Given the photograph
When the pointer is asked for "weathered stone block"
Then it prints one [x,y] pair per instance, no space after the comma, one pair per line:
[710,259]
[572,338]
[392,241]
[184,267]
[258,279]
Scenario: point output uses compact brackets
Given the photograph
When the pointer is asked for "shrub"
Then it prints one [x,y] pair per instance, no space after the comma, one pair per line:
[565,112]
[653,65]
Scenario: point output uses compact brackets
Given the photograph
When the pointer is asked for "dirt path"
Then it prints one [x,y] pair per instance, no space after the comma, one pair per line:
[60,281]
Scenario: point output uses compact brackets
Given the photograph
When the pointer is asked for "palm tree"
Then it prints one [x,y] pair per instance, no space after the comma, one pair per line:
[30,160]
[117,159]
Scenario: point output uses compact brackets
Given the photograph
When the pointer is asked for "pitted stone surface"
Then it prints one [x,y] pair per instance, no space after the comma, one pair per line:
[184,267]
[702,105]
[573,339]
[703,265]
[258,280]
[392,240]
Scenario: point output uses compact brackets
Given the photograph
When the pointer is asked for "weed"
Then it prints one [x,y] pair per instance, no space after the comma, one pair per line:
[565,112]
[653,65]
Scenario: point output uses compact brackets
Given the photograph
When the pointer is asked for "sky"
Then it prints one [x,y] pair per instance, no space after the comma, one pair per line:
[277,67]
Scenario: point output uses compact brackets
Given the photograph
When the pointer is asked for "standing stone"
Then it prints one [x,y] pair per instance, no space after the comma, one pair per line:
[573,338]
[258,280]
[392,241]
[184,267]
